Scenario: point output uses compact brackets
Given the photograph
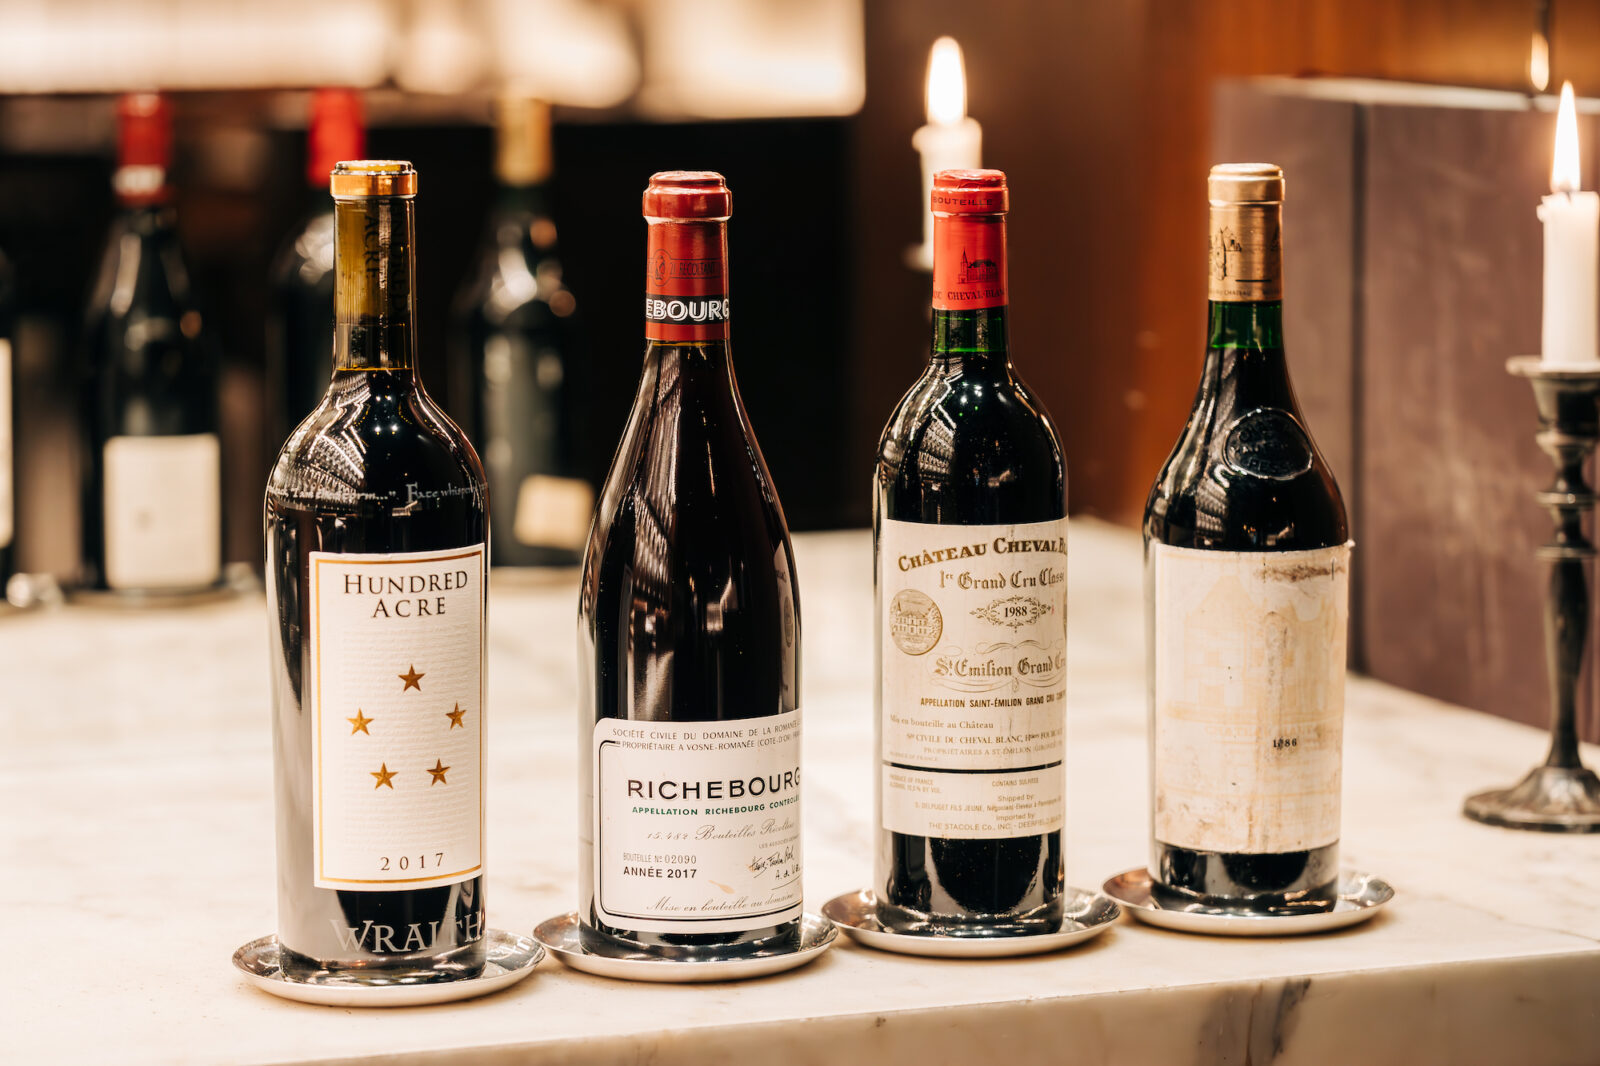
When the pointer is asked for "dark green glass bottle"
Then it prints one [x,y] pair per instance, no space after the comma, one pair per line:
[969,506]
[1247,592]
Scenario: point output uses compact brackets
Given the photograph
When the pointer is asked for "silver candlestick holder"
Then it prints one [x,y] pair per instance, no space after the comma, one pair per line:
[1561,796]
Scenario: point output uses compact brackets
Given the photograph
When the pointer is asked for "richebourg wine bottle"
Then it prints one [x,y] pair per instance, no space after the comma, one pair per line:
[970,537]
[689,635]
[516,329]
[1247,593]
[376,530]
[152,485]
[300,322]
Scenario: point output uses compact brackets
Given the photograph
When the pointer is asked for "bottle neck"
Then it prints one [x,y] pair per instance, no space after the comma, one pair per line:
[970,299]
[686,282]
[374,283]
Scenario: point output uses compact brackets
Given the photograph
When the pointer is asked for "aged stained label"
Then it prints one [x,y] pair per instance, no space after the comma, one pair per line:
[973,642]
[697,824]
[395,697]
[1246,253]
[1249,665]
[163,511]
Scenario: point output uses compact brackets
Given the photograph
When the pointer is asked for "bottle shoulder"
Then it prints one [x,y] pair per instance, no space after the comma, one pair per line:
[977,426]
[388,447]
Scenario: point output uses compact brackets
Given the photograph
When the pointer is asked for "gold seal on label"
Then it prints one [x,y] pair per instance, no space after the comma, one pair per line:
[914,622]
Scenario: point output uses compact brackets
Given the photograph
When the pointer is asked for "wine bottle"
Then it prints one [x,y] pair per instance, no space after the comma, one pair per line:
[1247,592]
[300,317]
[689,635]
[152,485]
[376,529]
[8,472]
[970,540]
[516,331]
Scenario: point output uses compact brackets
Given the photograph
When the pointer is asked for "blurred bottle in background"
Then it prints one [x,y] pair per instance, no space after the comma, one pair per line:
[300,318]
[8,466]
[152,459]
[521,378]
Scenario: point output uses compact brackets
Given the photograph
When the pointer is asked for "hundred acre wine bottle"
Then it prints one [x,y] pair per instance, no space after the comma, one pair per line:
[1247,563]
[521,379]
[689,635]
[152,479]
[300,319]
[970,535]
[376,528]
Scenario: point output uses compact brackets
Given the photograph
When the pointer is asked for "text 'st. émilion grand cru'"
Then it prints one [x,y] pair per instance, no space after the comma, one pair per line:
[1247,567]
[689,635]
[300,319]
[376,529]
[518,365]
[970,534]
[152,484]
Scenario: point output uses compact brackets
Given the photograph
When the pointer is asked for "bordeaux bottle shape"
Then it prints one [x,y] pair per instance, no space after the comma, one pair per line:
[152,457]
[689,636]
[376,553]
[969,534]
[521,379]
[1247,561]
[300,318]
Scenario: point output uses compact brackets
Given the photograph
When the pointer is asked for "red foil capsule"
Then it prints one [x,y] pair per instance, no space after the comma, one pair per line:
[969,239]
[336,132]
[686,264]
[144,148]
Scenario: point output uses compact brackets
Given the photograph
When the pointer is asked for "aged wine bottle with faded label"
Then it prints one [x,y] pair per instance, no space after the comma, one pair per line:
[376,530]
[689,636]
[1247,595]
[970,523]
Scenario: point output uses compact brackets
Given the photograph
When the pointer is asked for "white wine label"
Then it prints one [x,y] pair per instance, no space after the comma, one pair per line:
[1249,664]
[697,824]
[395,695]
[554,512]
[7,453]
[163,511]
[973,642]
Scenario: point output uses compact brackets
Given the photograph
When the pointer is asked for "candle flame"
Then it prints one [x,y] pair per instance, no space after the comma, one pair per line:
[1539,63]
[947,83]
[1564,171]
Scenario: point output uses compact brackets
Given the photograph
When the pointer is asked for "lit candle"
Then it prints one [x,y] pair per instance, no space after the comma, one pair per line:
[1571,252]
[950,140]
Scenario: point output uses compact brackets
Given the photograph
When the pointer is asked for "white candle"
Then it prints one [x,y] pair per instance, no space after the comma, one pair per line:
[950,140]
[1571,253]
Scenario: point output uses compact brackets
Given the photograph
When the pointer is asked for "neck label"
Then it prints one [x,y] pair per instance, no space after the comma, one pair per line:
[969,262]
[1246,253]
[686,282]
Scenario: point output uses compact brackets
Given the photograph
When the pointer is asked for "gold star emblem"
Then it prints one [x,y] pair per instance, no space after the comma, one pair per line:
[455,717]
[438,772]
[359,723]
[384,775]
[412,678]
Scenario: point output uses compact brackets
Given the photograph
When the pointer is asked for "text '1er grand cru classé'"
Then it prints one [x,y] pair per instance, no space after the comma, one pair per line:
[689,636]
[376,529]
[970,524]
[1247,564]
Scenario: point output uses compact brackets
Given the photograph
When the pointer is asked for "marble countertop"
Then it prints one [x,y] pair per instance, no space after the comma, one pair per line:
[137,836]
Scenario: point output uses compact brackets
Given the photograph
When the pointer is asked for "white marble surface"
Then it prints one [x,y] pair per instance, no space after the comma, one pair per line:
[137,840]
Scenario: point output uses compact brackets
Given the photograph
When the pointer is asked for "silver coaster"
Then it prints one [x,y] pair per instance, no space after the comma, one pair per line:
[561,935]
[511,958]
[1360,897]
[1088,914]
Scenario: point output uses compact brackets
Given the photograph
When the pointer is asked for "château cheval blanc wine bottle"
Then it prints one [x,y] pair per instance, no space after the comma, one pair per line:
[376,530]
[524,385]
[970,535]
[689,635]
[1247,562]
[152,484]
[300,319]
